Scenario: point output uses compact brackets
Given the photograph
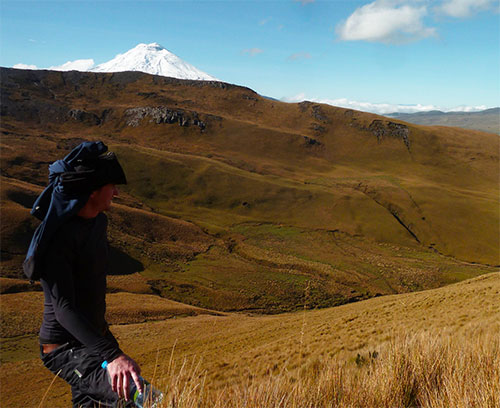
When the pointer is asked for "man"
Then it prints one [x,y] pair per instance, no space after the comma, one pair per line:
[69,254]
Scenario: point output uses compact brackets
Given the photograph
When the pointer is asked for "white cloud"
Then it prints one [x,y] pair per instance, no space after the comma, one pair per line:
[24,66]
[252,51]
[265,21]
[77,65]
[388,21]
[304,2]
[383,108]
[464,108]
[299,55]
[466,8]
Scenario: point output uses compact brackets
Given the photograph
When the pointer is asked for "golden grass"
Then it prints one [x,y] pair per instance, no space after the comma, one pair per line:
[22,312]
[8,285]
[236,356]
[438,370]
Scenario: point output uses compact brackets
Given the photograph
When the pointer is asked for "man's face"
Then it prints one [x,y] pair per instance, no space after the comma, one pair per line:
[101,199]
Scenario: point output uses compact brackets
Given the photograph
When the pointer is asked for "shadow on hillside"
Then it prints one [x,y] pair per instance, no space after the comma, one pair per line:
[23,198]
[122,263]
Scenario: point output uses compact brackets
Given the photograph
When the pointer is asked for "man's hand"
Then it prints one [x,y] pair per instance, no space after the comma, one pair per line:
[120,370]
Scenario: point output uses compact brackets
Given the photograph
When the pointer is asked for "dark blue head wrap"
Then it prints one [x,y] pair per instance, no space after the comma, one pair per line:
[71,181]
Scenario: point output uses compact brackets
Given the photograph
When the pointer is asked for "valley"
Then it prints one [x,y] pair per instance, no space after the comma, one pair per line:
[256,240]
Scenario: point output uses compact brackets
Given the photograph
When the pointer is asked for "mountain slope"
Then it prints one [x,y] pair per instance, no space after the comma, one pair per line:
[153,59]
[274,198]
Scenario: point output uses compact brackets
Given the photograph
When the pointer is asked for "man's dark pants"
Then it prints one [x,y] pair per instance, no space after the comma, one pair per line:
[90,385]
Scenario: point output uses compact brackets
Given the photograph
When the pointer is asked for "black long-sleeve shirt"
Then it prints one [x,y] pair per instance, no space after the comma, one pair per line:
[74,283]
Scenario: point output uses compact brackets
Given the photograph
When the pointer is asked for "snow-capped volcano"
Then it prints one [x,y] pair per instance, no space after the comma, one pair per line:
[153,59]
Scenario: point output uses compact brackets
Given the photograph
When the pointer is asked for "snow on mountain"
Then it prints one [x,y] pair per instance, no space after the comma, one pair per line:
[153,59]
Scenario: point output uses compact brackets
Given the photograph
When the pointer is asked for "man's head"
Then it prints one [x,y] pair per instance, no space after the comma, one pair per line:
[82,183]
[92,173]
[98,176]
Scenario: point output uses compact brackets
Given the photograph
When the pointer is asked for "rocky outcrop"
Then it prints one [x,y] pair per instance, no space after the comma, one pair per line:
[318,114]
[250,98]
[383,129]
[162,114]
[349,113]
[316,111]
[312,142]
[318,128]
[85,117]
[303,106]
[147,95]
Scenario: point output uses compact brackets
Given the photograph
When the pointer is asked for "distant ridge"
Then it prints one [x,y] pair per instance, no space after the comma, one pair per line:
[487,120]
[153,59]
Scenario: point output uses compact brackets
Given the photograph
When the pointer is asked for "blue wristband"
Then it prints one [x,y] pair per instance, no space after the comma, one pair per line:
[104,364]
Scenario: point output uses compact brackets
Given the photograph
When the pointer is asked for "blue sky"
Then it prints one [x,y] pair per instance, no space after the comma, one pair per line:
[381,56]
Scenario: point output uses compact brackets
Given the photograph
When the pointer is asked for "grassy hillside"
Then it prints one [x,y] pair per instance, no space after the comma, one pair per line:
[432,348]
[237,202]
[238,208]
[260,266]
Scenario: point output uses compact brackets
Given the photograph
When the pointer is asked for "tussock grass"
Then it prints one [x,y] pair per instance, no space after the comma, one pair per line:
[422,370]
[435,348]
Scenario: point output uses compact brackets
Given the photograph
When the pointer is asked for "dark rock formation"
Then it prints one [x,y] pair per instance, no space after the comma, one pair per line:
[250,98]
[317,112]
[162,114]
[349,113]
[303,106]
[383,129]
[147,94]
[85,117]
[318,128]
[312,142]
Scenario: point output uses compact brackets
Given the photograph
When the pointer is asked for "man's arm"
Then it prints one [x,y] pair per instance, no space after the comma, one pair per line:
[60,284]
[58,279]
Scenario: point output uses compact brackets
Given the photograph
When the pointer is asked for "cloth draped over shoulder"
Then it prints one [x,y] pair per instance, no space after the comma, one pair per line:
[71,181]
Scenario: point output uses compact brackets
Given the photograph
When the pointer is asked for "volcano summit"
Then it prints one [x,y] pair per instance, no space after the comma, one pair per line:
[153,59]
